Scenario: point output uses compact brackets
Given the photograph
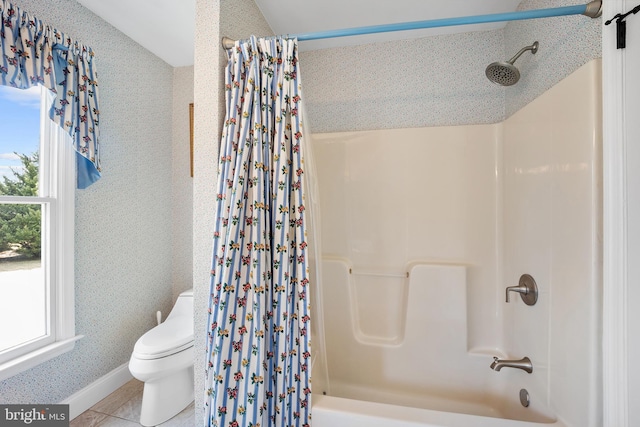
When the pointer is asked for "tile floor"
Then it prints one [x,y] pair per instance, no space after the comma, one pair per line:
[122,409]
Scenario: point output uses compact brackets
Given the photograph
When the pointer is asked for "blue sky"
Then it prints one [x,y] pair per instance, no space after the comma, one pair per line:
[19,125]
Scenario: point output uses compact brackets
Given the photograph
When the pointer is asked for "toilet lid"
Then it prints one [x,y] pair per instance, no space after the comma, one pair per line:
[172,336]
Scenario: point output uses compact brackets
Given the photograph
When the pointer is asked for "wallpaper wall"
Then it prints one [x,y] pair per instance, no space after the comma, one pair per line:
[209,111]
[440,81]
[433,81]
[566,44]
[181,183]
[123,243]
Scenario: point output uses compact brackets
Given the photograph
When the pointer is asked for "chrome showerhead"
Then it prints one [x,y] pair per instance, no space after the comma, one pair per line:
[505,73]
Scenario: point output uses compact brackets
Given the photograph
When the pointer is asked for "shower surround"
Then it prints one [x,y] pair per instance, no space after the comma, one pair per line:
[422,231]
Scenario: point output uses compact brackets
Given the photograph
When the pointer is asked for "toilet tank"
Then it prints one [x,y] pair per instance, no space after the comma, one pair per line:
[183,305]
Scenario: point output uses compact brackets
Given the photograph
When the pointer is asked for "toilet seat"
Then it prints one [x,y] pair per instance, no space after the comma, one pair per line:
[170,337]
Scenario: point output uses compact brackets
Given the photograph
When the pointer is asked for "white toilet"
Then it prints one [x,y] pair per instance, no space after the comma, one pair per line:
[163,359]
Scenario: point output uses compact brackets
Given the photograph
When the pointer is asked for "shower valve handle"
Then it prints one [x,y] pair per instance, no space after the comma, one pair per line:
[527,289]
[520,289]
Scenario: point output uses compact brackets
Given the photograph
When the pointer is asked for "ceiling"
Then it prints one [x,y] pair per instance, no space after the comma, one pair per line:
[157,25]
[168,31]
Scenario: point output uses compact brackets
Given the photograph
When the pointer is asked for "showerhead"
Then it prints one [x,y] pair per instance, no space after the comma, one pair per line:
[505,73]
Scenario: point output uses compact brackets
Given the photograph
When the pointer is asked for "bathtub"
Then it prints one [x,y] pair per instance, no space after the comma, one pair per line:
[386,373]
[329,411]
[422,230]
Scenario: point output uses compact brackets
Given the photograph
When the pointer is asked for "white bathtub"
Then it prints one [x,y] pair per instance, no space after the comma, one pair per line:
[414,368]
[329,411]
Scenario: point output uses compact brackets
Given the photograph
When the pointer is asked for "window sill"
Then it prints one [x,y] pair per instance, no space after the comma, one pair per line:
[36,357]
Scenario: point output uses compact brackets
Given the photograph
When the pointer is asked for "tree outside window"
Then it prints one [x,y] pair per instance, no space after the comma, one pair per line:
[20,224]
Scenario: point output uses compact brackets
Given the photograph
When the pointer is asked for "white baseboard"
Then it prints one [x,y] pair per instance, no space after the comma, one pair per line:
[97,390]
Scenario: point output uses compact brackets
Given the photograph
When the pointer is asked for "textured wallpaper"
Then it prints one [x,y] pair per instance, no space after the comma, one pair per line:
[123,222]
[181,183]
[566,44]
[208,114]
[433,81]
[440,81]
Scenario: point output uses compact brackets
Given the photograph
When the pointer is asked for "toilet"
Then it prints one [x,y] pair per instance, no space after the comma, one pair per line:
[163,359]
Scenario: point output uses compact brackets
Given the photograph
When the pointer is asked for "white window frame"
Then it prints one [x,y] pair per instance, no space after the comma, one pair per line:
[57,198]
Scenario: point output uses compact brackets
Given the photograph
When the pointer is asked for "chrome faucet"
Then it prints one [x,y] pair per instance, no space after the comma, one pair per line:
[524,364]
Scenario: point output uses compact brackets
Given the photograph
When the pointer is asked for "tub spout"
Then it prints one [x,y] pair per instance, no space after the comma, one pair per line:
[524,364]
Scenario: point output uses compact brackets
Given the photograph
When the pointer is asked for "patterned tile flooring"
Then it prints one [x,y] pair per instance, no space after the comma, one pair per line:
[122,409]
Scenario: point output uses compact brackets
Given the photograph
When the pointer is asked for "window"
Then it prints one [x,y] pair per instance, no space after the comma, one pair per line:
[37,191]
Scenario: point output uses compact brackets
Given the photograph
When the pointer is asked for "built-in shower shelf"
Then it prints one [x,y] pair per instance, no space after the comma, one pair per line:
[377,273]
[384,326]
[399,309]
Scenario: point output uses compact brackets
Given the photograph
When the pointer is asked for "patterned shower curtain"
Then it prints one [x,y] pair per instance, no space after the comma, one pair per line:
[258,355]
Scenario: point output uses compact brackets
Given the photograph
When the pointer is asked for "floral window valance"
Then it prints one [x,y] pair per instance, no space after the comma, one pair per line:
[34,53]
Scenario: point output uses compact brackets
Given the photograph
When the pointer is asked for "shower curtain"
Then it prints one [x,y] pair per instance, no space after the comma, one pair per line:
[258,354]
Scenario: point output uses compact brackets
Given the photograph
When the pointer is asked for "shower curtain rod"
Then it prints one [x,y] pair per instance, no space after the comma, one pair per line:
[592,10]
